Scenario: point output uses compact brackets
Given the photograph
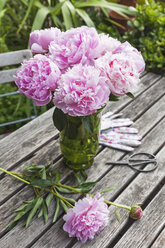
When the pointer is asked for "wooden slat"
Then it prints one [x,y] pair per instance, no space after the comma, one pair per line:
[7,76]
[118,176]
[21,143]
[160,241]
[100,168]
[142,233]
[14,58]
[136,192]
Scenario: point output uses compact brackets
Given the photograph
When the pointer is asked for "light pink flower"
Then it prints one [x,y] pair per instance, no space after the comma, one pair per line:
[120,71]
[37,78]
[81,91]
[77,45]
[40,39]
[107,44]
[127,50]
[87,218]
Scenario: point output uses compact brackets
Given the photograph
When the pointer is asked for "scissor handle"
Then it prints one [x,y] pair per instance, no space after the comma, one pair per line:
[151,159]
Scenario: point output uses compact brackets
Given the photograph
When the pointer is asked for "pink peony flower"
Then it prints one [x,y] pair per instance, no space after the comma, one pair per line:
[120,71]
[37,78]
[40,39]
[107,44]
[88,217]
[77,45]
[127,50]
[81,91]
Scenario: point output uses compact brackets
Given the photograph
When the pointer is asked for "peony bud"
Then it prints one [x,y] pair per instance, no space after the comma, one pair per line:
[136,212]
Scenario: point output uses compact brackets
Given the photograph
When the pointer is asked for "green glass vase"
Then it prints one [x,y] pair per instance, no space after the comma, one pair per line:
[79,140]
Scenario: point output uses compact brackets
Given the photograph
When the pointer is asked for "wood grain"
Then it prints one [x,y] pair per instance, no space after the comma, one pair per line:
[160,241]
[137,191]
[147,110]
[14,58]
[116,175]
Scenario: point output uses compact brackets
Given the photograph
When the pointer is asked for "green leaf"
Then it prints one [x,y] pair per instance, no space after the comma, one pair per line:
[40,18]
[63,190]
[45,210]
[117,215]
[64,206]
[78,177]
[57,210]
[49,199]
[85,17]
[41,212]
[21,208]
[108,189]
[34,210]
[85,187]
[67,16]
[73,12]
[130,95]
[41,183]
[113,98]
[120,9]
[58,176]
[71,200]
[57,9]
[33,167]
[30,5]
[59,119]
[21,213]
[44,174]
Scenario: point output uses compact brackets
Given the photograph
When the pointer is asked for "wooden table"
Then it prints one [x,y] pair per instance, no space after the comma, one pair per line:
[37,142]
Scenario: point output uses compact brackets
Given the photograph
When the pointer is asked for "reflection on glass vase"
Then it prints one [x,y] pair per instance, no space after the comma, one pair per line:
[79,140]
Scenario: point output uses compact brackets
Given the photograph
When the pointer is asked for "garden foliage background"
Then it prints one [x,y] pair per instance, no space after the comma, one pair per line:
[19,17]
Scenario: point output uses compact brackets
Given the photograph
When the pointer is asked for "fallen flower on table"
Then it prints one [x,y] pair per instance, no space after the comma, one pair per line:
[83,219]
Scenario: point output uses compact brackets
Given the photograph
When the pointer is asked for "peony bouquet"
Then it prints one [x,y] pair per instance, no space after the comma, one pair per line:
[80,70]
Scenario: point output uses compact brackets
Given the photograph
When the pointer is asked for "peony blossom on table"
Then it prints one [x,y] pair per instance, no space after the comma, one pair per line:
[87,218]
[80,67]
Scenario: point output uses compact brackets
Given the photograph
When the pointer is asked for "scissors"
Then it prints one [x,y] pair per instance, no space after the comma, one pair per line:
[135,160]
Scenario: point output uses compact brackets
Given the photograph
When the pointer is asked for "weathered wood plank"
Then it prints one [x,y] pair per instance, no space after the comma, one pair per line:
[14,58]
[160,241]
[91,176]
[142,103]
[142,233]
[45,155]
[26,140]
[137,191]
[120,175]
[7,76]
[49,152]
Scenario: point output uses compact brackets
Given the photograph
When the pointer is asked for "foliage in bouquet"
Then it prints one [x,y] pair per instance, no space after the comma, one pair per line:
[79,69]
[148,35]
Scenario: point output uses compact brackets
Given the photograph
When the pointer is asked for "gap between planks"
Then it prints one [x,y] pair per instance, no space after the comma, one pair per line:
[32,246]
